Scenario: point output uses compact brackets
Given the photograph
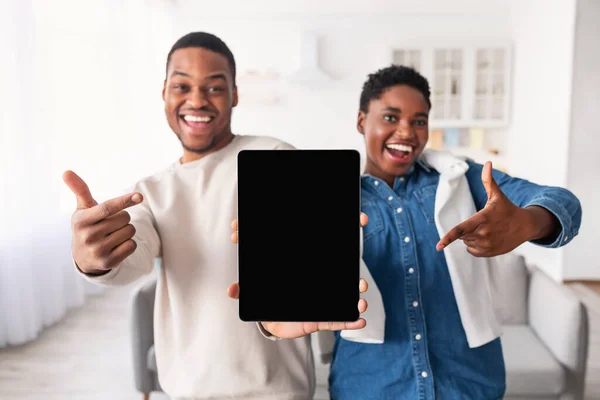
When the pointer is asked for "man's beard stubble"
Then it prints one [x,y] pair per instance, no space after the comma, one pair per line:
[202,150]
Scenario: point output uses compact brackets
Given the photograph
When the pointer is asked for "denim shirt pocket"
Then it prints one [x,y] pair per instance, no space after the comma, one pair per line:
[426,199]
[375,223]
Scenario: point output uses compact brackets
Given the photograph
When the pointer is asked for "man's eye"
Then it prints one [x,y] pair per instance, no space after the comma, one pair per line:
[390,118]
[421,123]
[215,89]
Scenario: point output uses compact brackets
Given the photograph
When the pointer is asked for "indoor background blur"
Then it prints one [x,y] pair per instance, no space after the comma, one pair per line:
[515,82]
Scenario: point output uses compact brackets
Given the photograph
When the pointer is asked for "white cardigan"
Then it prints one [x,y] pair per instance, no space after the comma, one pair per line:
[470,275]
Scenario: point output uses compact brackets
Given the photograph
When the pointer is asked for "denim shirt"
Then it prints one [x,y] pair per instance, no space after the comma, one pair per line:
[425,354]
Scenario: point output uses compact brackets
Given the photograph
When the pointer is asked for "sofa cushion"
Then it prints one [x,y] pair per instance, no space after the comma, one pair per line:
[151,359]
[530,368]
[509,281]
[558,317]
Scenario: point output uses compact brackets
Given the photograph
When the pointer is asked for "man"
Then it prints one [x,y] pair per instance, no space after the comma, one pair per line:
[182,214]
[433,221]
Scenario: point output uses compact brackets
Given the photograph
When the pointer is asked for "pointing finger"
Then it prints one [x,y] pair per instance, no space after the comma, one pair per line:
[113,206]
[466,227]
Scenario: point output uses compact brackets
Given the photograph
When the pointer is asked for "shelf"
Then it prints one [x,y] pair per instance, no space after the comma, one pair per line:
[480,156]
[469,81]
[472,123]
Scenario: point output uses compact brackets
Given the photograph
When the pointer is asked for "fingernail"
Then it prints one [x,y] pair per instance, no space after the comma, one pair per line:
[136,198]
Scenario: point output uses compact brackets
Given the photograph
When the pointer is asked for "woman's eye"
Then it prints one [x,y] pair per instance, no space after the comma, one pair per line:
[420,123]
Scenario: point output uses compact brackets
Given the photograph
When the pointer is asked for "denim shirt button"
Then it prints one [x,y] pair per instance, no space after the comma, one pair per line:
[390,198]
[407,239]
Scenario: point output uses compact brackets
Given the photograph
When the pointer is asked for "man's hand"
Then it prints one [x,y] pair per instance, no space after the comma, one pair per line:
[500,226]
[102,234]
[291,330]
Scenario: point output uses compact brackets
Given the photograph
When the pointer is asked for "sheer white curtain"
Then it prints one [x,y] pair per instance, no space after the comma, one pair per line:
[76,93]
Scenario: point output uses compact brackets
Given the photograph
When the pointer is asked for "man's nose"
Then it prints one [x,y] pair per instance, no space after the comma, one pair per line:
[197,98]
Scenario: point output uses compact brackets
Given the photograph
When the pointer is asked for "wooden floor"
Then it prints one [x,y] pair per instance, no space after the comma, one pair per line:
[595,286]
[87,355]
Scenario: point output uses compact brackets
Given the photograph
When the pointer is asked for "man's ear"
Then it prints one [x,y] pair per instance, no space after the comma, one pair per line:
[360,122]
[235,97]
[164,89]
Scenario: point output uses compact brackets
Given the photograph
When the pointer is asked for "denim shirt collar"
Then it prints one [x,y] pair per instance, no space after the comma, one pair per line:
[403,178]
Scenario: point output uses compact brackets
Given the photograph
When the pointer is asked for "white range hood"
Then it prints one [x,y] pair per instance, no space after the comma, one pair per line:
[309,71]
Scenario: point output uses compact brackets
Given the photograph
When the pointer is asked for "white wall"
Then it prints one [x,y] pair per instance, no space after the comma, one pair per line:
[539,135]
[242,8]
[104,64]
[555,136]
[543,38]
[353,45]
[102,76]
[583,176]
[107,60]
[111,59]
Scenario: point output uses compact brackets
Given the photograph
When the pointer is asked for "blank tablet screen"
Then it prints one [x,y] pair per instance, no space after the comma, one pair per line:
[299,232]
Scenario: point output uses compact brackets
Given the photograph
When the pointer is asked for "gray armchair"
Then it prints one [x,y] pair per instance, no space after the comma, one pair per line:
[545,339]
[142,339]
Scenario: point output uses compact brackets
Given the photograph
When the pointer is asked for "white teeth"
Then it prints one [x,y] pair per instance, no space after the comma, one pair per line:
[400,147]
[193,118]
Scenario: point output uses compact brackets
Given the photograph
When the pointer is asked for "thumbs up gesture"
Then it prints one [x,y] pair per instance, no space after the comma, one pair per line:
[102,234]
[498,228]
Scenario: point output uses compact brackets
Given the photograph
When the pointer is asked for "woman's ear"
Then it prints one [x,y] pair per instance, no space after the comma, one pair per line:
[360,122]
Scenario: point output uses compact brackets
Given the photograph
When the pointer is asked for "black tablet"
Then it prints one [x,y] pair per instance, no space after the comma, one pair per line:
[299,232]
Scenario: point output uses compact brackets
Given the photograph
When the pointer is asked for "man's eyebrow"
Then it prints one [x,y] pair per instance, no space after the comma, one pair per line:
[216,76]
[181,74]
